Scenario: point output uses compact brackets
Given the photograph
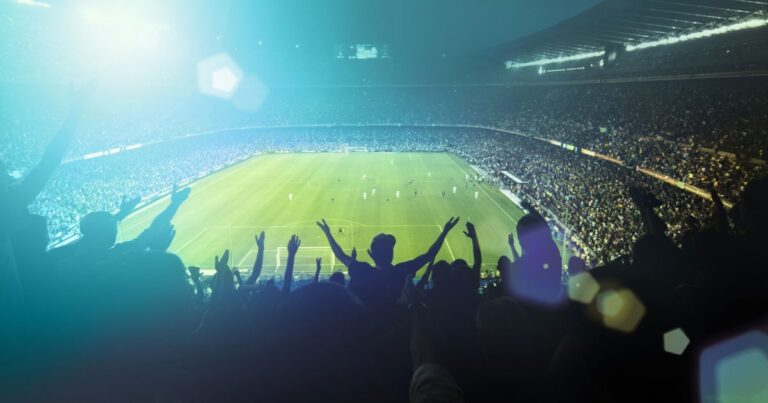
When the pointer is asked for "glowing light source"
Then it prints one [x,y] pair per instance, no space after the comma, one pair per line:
[748,24]
[33,3]
[676,341]
[118,42]
[219,76]
[561,59]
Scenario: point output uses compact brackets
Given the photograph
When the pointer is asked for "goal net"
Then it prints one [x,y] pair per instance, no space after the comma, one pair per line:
[305,259]
[349,149]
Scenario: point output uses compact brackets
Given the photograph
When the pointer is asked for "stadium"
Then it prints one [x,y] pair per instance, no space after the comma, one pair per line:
[384,201]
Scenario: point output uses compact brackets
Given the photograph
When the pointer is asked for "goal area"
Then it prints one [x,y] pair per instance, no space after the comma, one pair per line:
[350,149]
[305,259]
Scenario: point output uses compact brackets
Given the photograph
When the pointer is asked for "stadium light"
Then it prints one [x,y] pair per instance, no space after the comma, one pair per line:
[120,43]
[33,3]
[561,59]
[748,24]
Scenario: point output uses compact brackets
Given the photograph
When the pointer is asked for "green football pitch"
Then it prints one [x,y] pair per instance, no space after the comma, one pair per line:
[357,193]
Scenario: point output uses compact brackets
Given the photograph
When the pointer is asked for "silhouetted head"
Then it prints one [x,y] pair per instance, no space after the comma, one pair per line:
[534,236]
[99,229]
[462,277]
[338,278]
[383,249]
[441,271]
[459,264]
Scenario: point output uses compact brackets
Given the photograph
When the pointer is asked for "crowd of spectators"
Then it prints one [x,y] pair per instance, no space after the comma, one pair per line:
[99,321]
[702,132]
[707,133]
[586,195]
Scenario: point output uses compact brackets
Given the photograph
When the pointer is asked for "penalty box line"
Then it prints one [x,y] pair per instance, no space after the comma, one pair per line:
[440,227]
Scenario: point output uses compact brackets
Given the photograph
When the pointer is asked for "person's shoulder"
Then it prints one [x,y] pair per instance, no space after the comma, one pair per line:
[357,265]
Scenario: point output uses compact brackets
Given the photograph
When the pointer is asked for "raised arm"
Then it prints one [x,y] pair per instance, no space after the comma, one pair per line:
[35,181]
[256,271]
[293,247]
[319,263]
[424,280]
[645,203]
[159,228]
[719,216]
[224,279]
[412,266]
[178,197]
[477,257]
[126,207]
[343,257]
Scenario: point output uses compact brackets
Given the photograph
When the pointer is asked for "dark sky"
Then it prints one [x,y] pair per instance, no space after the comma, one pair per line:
[409,27]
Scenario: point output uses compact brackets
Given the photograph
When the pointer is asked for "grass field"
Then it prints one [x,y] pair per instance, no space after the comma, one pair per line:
[226,209]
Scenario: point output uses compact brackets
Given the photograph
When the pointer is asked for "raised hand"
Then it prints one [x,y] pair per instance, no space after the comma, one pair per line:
[194,273]
[224,279]
[256,270]
[719,216]
[260,240]
[293,245]
[222,265]
[127,206]
[471,233]
[179,195]
[450,224]
[337,251]
[354,254]
[324,226]
[319,263]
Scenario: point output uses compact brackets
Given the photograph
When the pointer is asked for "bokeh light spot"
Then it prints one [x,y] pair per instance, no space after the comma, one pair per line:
[582,288]
[219,76]
[676,341]
[251,94]
[224,79]
[735,369]
[621,309]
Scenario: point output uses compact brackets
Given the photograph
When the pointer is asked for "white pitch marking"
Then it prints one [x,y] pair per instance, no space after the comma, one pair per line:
[447,243]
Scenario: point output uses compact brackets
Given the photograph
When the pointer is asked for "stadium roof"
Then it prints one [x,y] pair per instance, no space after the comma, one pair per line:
[628,22]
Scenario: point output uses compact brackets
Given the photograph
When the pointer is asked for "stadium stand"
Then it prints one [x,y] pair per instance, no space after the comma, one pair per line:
[654,162]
